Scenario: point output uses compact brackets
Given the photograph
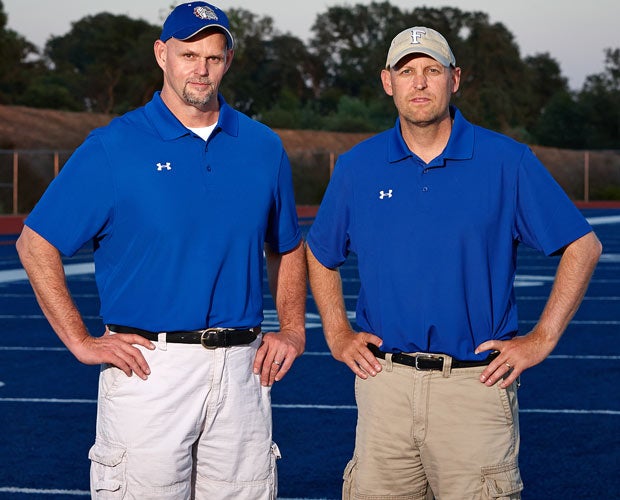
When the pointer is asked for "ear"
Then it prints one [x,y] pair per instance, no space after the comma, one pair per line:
[161,53]
[386,80]
[230,54]
[455,76]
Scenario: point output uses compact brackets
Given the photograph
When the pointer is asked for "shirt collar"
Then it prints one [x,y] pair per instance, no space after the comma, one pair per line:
[460,145]
[169,127]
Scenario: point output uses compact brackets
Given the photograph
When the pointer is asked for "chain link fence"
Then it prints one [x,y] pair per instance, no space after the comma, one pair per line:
[584,175]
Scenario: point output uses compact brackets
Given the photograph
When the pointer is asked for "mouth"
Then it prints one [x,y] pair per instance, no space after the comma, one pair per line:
[200,84]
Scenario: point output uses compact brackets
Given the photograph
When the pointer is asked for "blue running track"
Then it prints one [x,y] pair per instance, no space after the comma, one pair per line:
[570,404]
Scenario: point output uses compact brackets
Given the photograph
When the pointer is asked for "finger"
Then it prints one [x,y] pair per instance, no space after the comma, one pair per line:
[355,368]
[368,363]
[499,371]
[512,377]
[129,338]
[259,359]
[361,366]
[283,368]
[269,370]
[132,362]
[127,356]
[373,339]
[489,345]
[372,361]
[139,340]
[276,367]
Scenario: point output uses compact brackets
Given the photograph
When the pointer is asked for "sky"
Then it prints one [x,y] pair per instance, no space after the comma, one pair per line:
[574,33]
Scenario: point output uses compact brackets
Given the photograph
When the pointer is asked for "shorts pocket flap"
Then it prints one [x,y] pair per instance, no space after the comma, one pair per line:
[106,454]
[502,480]
[108,469]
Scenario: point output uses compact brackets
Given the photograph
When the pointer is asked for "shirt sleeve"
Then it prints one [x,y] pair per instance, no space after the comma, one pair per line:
[76,207]
[329,236]
[547,219]
[283,233]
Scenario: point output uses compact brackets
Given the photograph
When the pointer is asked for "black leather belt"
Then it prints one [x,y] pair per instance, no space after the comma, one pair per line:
[429,361]
[210,338]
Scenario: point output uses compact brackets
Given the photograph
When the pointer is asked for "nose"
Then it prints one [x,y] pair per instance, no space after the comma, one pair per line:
[419,82]
[202,66]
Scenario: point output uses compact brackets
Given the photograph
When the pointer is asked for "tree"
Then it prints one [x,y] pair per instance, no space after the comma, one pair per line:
[561,123]
[269,70]
[18,63]
[600,104]
[352,42]
[546,81]
[107,62]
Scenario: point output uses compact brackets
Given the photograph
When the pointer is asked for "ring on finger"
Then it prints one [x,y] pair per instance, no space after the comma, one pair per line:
[508,365]
[277,362]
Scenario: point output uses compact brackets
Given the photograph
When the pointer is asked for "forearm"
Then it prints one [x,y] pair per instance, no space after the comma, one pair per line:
[571,282]
[326,286]
[287,282]
[43,265]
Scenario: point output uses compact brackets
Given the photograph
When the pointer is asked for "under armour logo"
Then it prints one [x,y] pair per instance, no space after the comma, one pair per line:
[415,36]
[161,166]
[383,194]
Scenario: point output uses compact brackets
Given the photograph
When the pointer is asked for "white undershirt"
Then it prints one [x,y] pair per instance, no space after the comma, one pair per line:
[203,132]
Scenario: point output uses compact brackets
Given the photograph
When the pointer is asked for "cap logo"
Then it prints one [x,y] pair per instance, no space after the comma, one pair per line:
[205,13]
[415,36]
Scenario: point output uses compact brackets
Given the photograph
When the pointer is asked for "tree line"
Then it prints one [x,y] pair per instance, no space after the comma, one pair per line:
[105,64]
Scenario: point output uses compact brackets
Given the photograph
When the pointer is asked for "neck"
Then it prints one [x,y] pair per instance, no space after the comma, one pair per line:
[427,141]
[189,115]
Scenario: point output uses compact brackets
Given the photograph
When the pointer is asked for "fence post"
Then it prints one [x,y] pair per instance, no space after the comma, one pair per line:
[56,164]
[15,182]
[586,176]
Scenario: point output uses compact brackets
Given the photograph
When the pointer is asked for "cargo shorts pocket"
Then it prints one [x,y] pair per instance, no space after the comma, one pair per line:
[347,477]
[502,482]
[107,470]
[275,455]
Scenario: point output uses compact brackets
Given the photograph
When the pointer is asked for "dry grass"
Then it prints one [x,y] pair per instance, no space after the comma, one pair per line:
[24,128]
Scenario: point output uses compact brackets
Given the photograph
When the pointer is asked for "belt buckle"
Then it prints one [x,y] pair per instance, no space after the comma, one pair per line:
[207,332]
[425,356]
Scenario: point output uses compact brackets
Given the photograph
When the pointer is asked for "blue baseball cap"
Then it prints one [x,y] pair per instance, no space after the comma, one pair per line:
[188,19]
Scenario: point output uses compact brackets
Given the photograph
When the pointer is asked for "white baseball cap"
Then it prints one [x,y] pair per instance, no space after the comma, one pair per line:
[420,40]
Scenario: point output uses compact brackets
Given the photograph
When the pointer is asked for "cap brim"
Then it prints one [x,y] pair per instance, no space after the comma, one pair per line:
[431,53]
[186,34]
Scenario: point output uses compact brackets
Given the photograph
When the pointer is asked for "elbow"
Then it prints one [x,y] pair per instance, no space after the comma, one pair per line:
[590,249]
[596,247]
[21,245]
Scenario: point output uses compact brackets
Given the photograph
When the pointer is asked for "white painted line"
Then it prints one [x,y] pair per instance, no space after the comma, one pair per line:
[310,406]
[82,493]
[38,491]
[48,400]
[11,275]
[570,412]
[30,349]
[597,221]
[584,356]
[577,322]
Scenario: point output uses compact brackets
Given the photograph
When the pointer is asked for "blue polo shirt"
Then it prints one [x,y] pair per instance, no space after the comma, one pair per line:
[437,243]
[178,224]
